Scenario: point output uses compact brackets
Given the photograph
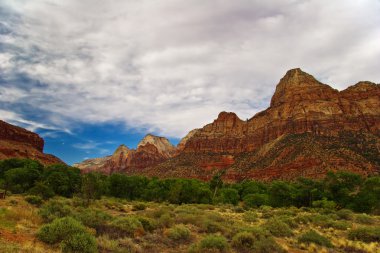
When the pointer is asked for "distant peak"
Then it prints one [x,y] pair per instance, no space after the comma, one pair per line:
[121,149]
[294,80]
[227,116]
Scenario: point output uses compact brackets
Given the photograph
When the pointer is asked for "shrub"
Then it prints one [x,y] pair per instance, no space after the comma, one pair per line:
[148,224]
[126,226]
[313,237]
[139,207]
[324,203]
[165,220]
[365,234]
[34,200]
[179,233]
[345,214]
[255,200]
[79,242]
[93,218]
[214,242]
[250,216]
[278,228]
[60,229]
[364,219]
[54,209]
[257,240]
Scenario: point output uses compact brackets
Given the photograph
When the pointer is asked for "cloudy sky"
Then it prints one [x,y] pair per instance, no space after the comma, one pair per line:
[91,74]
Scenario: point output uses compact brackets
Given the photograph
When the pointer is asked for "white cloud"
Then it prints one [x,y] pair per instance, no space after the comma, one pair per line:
[171,66]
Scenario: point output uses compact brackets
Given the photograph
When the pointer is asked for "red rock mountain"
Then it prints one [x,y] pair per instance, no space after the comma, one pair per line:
[17,142]
[151,151]
[308,129]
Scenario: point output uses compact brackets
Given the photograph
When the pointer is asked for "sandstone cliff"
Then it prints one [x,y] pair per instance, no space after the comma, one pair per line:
[17,142]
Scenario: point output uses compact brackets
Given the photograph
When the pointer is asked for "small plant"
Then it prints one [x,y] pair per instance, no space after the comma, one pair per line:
[324,203]
[278,228]
[345,214]
[72,235]
[34,200]
[257,240]
[80,242]
[179,233]
[364,219]
[126,226]
[313,237]
[139,207]
[148,224]
[365,234]
[54,209]
[250,216]
[216,243]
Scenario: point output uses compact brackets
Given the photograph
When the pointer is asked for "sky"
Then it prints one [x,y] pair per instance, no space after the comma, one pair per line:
[90,75]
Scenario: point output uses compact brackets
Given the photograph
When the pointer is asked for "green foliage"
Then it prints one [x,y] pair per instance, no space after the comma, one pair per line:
[79,243]
[345,214]
[255,200]
[179,233]
[42,190]
[229,196]
[34,200]
[312,236]
[280,194]
[214,242]
[278,228]
[364,219]
[324,203]
[93,186]
[59,230]
[255,240]
[365,234]
[139,207]
[93,218]
[125,226]
[62,179]
[53,209]
[250,216]
[148,224]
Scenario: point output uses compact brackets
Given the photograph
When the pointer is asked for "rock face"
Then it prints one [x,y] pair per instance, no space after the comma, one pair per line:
[151,151]
[301,104]
[308,129]
[17,142]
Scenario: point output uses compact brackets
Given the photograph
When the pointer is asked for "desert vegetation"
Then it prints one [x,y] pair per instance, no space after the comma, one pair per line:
[58,209]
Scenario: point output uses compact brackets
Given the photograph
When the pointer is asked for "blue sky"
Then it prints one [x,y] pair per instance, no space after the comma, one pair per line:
[89,75]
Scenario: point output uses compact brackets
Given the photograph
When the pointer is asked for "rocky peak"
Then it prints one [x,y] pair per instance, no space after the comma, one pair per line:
[161,143]
[298,85]
[122,149]
[181,145]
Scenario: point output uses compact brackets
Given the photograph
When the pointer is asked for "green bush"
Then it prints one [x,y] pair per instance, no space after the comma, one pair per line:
[345,214]
[80,243]
[72,235]
[54,209]
[34,200]
[365,234]
[255,200]
[93,218]
[148,224]
[256,240]
[126,226]
[139,207]
[214,242]
[250,216]
[179,233]
[313,237]
[364,219]
[324,203]
[278,228]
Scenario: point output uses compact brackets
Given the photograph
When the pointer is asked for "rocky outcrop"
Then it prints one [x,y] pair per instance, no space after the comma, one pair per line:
[151,151]
[17,142]
[301,104]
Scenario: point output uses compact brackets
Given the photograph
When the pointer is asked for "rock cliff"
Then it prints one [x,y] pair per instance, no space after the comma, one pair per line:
[17,142]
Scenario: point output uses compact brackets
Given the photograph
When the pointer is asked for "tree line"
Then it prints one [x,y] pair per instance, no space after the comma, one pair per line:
[336,190]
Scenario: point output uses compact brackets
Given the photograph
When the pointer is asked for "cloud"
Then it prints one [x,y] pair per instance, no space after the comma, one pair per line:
[171,66]
[91,146]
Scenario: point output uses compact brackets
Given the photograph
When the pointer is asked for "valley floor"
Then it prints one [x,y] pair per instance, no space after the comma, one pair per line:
[116,225]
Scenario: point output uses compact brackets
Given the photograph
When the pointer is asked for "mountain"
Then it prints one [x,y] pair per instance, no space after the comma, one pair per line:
[308,129]
[151,151]
[17,142]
